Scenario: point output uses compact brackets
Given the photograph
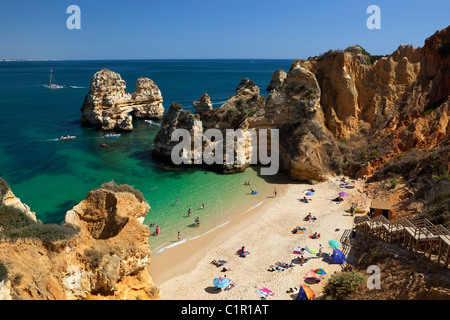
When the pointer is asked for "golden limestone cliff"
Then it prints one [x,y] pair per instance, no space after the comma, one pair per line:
[109,107]
[343,112]
[101,251]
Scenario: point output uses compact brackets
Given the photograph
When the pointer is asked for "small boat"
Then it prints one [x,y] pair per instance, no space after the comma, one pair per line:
[53,86]
[112,135]
[151,122]
[67,138]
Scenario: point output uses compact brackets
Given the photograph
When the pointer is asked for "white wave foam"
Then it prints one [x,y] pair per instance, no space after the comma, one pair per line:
[196,237]
[256,205]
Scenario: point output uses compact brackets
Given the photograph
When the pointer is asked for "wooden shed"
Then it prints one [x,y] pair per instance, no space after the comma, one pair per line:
[381,207]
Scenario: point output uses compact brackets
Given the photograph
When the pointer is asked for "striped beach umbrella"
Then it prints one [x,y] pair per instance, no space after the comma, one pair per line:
[310,249]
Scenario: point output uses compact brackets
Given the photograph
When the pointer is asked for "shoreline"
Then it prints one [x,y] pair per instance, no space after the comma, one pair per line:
[185,272]
[164,266]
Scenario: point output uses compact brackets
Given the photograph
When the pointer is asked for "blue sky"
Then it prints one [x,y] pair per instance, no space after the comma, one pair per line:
[209,29]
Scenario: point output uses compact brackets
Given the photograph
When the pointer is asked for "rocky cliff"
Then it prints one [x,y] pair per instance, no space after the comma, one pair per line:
[345,111]
[110,107]
[105,259]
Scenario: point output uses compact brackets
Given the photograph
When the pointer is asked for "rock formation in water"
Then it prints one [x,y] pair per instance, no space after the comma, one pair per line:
[203,104]
[110,107]
[106,259]
[327,108]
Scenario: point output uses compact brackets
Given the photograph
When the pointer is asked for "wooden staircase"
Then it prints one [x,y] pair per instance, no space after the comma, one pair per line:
[418,235]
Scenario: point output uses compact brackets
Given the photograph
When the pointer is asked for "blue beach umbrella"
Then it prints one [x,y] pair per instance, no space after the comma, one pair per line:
[221,282]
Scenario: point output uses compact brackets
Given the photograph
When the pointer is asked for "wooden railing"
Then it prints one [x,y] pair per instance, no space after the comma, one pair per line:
[418,235]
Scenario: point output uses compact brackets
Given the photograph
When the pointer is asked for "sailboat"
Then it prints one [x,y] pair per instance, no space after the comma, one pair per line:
[53,86]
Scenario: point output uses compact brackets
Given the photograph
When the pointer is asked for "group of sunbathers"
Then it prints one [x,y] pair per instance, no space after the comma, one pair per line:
[280,266]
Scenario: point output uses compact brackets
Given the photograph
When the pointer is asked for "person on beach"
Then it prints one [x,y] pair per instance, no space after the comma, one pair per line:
[320,250]
[275,192]
[203,206]
[308,217]
[197,221]
[189,212]
[179,236]
[157,230]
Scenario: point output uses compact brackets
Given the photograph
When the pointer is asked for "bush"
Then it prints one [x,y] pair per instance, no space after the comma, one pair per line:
[436,193]
[343,284]
[3,187]
[16,224]
[394,183]
[93,257]
[112,186]
[3,272]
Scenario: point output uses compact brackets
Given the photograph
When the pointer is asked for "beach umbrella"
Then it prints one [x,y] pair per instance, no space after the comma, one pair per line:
[343,194]
[321,271]
[309,193]
[221,282]
[310,250]
[334,243]
[305,293]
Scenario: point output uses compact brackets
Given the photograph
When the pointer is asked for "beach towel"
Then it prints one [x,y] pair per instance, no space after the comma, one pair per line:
[298,251]
[232,286]
[264,292]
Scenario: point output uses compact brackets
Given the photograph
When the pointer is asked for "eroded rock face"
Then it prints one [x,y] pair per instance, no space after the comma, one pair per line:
[107,259]
[277,80]
[303,154]
[342,95]
[8,198]
[110,107]
[203,104]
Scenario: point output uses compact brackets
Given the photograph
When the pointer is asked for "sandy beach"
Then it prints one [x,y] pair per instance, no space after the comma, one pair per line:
[185,272]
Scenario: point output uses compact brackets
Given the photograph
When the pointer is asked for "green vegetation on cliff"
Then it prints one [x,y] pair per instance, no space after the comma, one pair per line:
[15,224]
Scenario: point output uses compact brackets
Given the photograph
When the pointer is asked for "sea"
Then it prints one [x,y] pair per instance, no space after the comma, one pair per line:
[52,176]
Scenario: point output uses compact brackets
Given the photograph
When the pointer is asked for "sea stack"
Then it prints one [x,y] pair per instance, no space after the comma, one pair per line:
[109,107]
[203,104]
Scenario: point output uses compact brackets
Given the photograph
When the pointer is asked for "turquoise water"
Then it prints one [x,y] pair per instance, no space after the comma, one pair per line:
[52,176]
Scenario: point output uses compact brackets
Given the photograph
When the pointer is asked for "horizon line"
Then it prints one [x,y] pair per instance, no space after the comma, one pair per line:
[144,59]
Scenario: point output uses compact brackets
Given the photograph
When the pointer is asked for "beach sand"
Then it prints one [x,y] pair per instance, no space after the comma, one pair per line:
[185,272]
